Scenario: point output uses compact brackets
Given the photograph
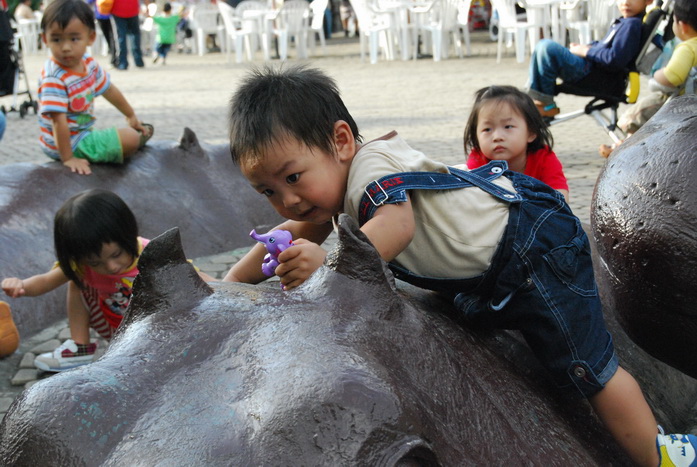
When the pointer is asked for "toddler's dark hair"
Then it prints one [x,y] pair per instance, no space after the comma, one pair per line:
[86,222]
[167,7]
[62,12]
[686,11]
[299,102]
[518,100]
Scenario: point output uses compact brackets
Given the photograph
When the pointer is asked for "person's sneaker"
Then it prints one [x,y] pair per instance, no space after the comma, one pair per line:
[66,356]
[676,450]
[547,110]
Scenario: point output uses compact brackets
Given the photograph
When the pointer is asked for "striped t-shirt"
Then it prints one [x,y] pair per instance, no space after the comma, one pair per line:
[65,91]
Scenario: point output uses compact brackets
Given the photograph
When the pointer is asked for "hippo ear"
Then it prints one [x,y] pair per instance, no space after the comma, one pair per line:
[165,279]
[189,142]
[355,257]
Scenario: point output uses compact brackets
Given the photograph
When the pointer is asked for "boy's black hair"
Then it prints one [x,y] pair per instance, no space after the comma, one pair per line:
[686,11]
[299,102]
[167,7]
[86,222]
[62,12]
[519,101]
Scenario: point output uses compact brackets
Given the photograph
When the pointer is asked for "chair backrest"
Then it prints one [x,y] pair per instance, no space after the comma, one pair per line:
[294,15]
[317,7]
[249,5]
[227,13]
[601,14]
[445,13]
[506,11]
[204,17]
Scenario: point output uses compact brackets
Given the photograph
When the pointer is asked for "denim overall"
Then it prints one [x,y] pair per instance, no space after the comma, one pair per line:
[540,280]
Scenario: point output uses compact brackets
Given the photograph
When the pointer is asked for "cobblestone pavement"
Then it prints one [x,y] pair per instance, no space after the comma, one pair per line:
[427,102]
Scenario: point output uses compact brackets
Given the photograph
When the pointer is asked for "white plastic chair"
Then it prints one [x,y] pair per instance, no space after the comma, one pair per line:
[442,20]
[204,21]
[28,30]
[510,24]
[236,35]
[253,17]
[317,8]
[599,16]
[377,27]
[292,22]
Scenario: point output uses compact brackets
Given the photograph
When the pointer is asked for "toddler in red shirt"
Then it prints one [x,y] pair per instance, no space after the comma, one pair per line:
[505,125]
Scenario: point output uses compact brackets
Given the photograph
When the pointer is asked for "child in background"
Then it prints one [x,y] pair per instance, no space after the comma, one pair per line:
[70,82]
[505,126]
[551,60]
[668,80]
[166,32]
[504,244]
[97,247]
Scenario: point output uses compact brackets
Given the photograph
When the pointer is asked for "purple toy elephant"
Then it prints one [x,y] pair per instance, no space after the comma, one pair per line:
[276,242]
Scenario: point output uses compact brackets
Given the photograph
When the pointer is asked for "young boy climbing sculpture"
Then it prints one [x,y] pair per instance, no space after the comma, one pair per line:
[505,245]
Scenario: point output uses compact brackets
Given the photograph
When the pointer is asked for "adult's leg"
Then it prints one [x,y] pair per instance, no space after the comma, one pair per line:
[105,26]
[134,30]
[121,32]
[549,61]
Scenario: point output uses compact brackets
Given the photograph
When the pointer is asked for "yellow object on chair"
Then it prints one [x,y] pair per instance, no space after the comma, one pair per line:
[9,336]
[633,87]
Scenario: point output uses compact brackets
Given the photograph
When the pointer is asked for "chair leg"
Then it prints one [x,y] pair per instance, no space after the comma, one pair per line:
[239,49]
[200,42]
[499,47]
[520,45]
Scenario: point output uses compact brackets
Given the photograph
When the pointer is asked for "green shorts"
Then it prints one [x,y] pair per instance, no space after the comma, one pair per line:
[101,146]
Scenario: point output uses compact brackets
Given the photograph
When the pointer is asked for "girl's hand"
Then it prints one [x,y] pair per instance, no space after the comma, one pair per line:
[299,262]
[77,165]
[13,287]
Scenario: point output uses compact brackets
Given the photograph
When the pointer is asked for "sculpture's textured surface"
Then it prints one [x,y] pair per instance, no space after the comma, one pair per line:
[345,370]
[195,188]
[644,218]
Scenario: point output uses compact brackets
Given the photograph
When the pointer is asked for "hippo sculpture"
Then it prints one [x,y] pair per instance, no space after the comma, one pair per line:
[644,221]
[166,184]
[351,368]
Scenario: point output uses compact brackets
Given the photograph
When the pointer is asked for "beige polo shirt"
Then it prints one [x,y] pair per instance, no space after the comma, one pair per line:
[457,231]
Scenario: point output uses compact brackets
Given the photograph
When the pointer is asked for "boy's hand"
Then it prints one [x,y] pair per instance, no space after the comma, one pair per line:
[299,262]
[13,287]
[580,50]
[77,165]
[135,123]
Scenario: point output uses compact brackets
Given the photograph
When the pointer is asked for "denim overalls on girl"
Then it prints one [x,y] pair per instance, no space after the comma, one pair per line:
[540,280]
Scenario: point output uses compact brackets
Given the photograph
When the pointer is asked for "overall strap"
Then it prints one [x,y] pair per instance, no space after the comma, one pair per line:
[392,188]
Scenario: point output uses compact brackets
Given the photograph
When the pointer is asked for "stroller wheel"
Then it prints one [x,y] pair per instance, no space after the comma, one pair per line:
[35,106]
[23,109]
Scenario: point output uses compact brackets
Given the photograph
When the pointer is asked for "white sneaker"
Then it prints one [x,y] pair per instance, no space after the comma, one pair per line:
[65,357]
[676,450]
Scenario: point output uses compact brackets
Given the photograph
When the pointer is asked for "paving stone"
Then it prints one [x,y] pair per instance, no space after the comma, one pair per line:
[24,375]
[48,346]
[27,360]
[5,403]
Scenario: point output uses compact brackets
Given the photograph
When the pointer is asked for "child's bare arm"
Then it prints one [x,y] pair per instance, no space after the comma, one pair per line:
[118,100]
[61,135]
[391,229]
[297,262]
[34,285]
[660,77]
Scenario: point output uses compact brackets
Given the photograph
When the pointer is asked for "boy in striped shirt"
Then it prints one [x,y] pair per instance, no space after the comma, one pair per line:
[69,83]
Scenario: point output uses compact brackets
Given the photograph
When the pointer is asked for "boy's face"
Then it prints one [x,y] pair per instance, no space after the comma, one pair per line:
[629,8]
[302,184]
[69,45]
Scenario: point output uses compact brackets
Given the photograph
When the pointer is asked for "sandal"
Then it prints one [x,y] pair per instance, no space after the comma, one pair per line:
[145,137]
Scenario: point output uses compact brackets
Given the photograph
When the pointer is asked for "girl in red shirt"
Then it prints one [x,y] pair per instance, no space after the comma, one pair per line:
[506,125]
[97,247]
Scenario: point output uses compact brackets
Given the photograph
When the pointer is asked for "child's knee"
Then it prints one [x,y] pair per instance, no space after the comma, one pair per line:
[130,140]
